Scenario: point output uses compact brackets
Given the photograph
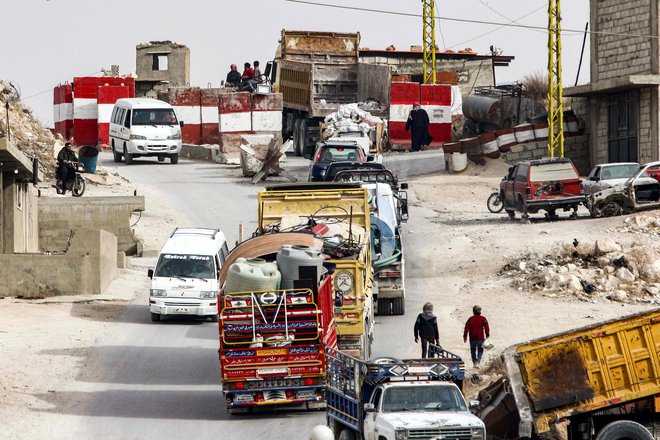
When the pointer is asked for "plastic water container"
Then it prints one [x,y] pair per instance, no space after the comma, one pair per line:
[291,258]
[88,156]
[252,275]
[487,345]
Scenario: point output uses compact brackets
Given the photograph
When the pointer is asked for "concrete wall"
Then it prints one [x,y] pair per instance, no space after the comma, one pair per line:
[178,72]
[19,216]
[613,55]
[87,267]
[58,216]
[576,148]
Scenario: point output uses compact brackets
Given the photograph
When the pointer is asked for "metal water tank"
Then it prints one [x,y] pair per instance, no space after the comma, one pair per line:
[252,275]
[292,258]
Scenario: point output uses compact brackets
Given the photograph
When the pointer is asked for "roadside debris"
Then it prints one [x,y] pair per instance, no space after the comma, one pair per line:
[601,271]
[640,224]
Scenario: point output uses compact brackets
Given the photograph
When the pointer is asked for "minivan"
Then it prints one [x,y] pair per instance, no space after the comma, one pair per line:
[185,280]
[144,127]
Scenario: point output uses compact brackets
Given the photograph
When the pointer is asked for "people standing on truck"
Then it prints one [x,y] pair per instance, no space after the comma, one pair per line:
[477,329]
[418,124]
[426,328]
[65,172]
[233,77]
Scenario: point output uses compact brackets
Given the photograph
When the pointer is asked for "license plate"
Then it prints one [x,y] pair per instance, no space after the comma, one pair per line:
[306,394]
[244,398]
[316,405]
[265,371]
[181,309]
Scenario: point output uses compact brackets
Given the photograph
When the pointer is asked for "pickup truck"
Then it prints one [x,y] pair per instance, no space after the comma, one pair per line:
[391,399]
[597,382]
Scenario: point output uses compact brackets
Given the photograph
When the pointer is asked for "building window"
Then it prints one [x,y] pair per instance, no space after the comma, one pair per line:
[159,62]
[20,195]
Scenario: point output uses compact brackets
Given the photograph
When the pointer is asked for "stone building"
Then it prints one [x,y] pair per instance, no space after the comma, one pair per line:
[159,65]
[620,104]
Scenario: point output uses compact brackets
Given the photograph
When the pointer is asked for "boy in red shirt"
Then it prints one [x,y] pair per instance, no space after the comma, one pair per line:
[477,328]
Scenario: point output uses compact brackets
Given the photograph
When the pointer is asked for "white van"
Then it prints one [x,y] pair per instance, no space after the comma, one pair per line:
[144,127]
[185,281]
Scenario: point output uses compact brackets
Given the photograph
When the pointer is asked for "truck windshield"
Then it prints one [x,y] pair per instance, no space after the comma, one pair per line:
[423,398]
[185,266]
[156,116]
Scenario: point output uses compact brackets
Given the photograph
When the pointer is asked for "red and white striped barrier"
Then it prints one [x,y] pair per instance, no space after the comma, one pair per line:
[106,98]
[437,101]
[210,119]
[402,97]
[267,112]
[186,103]
[63,110]
[234,113]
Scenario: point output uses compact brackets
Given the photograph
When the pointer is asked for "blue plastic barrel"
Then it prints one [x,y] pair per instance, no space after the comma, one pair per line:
[88,156]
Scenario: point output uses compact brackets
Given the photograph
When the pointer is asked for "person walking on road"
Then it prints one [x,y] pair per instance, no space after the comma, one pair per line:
[426,328]
[418,124]
[477,329]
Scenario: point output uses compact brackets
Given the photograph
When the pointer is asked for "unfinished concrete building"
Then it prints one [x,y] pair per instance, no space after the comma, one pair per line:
[621,101]
[159,65]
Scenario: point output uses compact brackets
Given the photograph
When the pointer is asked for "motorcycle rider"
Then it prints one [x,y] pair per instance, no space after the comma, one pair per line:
[65,172]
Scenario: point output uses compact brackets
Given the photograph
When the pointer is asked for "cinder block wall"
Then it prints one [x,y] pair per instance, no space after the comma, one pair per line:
[87,267]
[576,148]
[58,216]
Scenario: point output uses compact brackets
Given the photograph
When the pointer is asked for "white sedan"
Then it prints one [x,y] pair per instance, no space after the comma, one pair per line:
[607,175]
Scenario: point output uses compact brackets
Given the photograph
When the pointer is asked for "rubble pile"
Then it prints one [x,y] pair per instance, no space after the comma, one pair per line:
[599,272]
[27,133]
[350,118]
[640,224]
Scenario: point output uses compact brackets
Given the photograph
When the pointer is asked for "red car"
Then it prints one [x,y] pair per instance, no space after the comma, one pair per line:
[545,184]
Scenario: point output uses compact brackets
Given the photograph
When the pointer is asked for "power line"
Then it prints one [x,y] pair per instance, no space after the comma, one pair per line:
[465,20]
[51,89]
[511,20]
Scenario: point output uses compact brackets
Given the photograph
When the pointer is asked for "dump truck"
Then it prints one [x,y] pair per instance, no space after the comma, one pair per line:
[338,214]
[315,72]
[273,342]
[392,399]
[600,382]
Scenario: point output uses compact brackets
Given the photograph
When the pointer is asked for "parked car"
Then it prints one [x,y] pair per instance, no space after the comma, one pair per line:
[607,175]
[545,184]
[327,153]
[640,191]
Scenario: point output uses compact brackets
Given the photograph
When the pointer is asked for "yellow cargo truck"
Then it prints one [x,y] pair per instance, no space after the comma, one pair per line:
[598,382]
[338,213]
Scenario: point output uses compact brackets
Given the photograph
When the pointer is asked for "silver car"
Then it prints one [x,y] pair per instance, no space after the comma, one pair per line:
[607,175]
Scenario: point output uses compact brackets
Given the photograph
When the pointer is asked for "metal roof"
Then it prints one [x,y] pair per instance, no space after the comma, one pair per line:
[13,159]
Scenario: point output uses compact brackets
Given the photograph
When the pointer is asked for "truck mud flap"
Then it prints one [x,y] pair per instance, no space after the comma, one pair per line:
[498,410]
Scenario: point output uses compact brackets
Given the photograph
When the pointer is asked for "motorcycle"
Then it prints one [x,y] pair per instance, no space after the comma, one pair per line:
[75,185]
[494,203]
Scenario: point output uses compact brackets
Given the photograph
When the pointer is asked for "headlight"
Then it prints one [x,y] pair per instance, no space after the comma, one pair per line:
[207,294]
[158,292]
[174,137]
[401,434]
[477,433]
[138,137]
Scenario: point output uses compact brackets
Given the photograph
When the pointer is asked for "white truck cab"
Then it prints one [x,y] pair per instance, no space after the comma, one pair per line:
[185,280]
[144,127]
[420,409]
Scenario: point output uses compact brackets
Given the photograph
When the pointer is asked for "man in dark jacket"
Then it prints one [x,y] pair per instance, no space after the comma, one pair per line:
[233,77]
[66,155]
[426,327]
[477,328]
[418,124]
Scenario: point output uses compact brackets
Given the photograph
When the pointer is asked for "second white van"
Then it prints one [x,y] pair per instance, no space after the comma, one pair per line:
[144,127]
[185,280]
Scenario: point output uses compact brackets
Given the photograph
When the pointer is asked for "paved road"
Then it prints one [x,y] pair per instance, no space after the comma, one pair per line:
[161,381]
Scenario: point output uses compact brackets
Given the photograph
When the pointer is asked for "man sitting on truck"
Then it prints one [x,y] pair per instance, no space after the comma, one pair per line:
[233,77]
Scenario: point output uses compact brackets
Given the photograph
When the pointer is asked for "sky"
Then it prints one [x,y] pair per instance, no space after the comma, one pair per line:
[48,42]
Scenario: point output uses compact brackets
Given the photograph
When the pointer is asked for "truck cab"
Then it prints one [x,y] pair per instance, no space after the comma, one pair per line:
[420,409]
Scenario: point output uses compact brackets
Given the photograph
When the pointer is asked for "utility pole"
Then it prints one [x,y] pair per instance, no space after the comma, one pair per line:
[555,95]
[428,35]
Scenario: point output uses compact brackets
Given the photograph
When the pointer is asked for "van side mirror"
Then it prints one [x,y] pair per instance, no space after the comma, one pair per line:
[369,408]
[150,273]
[181,124]
[404,186]
[370,158]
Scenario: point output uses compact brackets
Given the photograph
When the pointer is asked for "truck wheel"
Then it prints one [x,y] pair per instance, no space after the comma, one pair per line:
[624,429]
[155,317]
[346,434]
[398,306]
[296,138]
[383,307]
[303,136]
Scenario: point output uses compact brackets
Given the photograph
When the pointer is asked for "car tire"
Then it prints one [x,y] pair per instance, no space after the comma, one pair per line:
[161,158]
[213,318]
[624,429]
[174,158]
[128,157]
[115,155]
[155,317]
